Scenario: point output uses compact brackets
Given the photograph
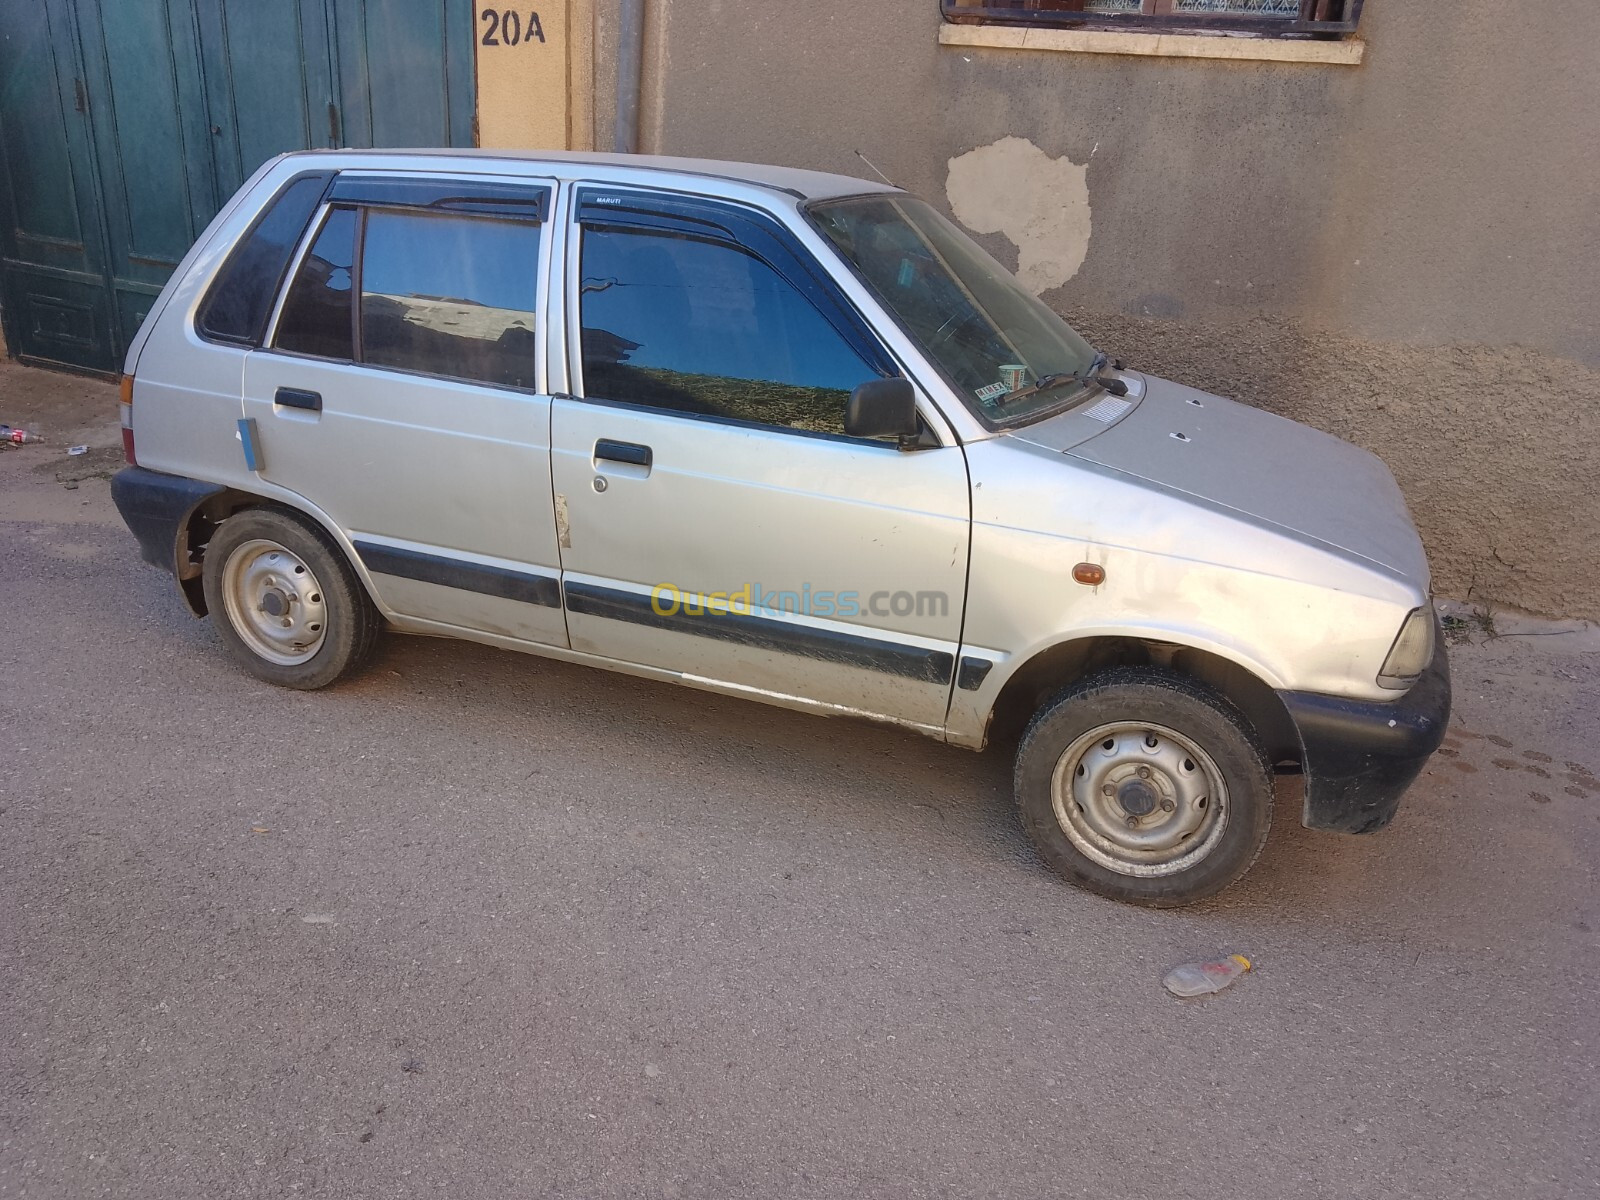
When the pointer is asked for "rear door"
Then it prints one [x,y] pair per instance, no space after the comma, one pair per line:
[721,523]
[400,393]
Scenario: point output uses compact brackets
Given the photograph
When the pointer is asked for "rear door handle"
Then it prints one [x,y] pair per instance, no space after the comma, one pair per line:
[623,452]
[295,398]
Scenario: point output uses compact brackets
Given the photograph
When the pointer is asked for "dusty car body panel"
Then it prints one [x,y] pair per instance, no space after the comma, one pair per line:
[1220,529]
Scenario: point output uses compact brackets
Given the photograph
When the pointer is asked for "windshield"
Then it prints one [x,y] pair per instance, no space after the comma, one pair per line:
[1001,346]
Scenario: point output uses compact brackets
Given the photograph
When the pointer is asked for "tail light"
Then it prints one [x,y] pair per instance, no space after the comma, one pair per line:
[125,407]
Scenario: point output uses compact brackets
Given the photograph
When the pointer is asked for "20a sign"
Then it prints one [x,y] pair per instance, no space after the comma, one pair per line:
[507,28]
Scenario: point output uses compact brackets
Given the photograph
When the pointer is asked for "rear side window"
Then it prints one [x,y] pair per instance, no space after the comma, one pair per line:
[316,317]
[239,301]
[438,293]
[450,295]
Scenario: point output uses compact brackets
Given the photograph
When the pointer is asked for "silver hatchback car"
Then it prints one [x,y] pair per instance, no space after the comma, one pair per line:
[787,436]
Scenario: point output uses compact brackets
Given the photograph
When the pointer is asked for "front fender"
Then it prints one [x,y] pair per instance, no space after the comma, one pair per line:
[982,674]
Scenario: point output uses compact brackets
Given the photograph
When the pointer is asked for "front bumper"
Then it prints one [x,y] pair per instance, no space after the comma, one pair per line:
[1359,756]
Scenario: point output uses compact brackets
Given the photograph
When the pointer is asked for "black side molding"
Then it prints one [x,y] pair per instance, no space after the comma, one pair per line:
[972,673]
[765,633]
[526,587]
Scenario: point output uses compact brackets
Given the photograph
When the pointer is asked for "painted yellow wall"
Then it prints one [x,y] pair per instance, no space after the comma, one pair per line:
[535,61]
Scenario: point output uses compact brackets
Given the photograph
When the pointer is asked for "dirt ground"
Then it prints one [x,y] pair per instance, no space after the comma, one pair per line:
[475,924]
[60,408]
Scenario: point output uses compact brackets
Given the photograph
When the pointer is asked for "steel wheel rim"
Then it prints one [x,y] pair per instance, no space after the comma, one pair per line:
[274,602]
[1140,799]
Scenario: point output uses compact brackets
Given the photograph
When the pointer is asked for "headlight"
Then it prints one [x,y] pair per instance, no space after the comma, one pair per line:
[1411,653]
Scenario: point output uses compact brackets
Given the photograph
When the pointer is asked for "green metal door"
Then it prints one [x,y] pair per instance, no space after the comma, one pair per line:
[126,124]
[141,73]
[54,289]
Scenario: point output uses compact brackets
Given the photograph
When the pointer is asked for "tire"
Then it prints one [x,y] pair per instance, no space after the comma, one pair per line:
[285,601]
[1145,786]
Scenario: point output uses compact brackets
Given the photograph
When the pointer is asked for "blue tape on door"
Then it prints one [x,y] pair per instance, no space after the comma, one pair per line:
[247,439]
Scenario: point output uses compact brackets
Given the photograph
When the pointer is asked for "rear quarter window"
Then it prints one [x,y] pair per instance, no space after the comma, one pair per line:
[239,302]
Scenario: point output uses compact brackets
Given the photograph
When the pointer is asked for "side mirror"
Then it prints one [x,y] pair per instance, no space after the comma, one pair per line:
[883,408]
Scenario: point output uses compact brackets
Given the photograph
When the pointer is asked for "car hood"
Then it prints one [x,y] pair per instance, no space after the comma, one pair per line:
[1268,469]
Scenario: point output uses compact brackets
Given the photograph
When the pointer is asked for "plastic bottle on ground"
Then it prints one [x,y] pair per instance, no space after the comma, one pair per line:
[1204,978]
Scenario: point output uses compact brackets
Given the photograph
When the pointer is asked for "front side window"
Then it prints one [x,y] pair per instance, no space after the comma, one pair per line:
[450,295]
[1002,347]
[700,326]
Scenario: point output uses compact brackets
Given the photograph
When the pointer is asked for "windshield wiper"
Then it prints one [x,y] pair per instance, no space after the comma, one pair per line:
[1045,384]
[1089,375]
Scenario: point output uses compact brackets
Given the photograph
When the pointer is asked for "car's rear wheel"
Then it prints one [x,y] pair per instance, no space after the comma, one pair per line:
[1145,786]
[285,602]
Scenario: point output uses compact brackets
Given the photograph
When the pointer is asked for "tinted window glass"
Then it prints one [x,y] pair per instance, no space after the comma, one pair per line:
[450,295]
[703,327]
[316,313]
[240,300]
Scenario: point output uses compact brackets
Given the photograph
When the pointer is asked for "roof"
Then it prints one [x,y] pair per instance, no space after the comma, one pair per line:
[810,185]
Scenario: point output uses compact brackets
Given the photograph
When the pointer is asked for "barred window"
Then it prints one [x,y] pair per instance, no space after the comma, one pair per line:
[1269,18]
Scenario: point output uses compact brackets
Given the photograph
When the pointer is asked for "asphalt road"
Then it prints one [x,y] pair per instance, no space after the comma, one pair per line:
[515,928]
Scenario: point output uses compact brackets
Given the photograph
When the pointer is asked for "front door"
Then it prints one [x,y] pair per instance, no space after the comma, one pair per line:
[399,393]
[720,524]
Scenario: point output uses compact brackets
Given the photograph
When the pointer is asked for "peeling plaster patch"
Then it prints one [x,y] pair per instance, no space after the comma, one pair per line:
[1040,203]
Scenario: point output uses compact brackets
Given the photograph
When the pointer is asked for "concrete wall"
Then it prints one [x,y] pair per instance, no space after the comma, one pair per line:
[1406,253]
[535,78]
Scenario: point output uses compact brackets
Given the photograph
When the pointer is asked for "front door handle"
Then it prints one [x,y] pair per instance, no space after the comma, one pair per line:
[623,452]
[295,398]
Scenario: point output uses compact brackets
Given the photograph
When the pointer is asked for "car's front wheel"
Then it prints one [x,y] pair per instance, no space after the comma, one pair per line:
[285,602]
[1145,786]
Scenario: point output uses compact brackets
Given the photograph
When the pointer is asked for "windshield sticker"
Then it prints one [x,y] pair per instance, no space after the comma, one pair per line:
[908,273]
[991,392]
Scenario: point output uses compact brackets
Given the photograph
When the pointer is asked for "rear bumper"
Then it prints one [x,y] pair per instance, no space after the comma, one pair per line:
[1359,756]
[157,508]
